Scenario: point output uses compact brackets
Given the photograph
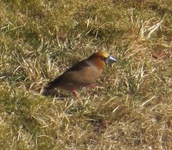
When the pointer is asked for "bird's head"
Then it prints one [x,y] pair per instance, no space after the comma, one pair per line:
[100,59]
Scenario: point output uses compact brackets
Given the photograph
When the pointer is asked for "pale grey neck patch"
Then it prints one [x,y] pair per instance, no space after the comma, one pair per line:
[90,63]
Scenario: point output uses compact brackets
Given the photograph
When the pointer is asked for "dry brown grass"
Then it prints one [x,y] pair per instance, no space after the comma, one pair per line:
[131,109]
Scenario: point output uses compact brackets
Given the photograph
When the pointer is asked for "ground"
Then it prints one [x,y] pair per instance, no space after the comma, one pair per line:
[131,106]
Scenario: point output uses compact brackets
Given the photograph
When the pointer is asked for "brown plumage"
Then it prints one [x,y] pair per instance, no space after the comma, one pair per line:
[82,74]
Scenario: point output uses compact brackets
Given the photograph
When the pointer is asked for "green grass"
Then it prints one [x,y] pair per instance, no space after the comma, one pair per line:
[131,108]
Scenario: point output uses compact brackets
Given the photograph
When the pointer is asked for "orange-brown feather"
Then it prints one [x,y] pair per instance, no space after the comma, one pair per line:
[98,62]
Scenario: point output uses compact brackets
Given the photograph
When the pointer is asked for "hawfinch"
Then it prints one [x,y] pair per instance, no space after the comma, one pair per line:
[82,74]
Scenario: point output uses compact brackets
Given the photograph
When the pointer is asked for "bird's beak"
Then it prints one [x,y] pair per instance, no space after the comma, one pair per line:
[110,60]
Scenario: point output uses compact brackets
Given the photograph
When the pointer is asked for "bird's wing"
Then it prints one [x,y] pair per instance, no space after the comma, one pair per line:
[79,66]
[82,73]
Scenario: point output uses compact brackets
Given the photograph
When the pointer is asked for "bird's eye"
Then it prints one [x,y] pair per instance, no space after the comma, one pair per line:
[103,58]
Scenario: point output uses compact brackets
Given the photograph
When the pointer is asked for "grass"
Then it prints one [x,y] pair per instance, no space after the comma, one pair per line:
[131,109]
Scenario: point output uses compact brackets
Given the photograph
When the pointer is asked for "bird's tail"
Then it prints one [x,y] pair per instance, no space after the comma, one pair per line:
[51,85]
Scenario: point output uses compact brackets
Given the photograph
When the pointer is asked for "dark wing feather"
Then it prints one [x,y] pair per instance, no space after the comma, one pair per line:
[53,83]
[79,66]
[56,82]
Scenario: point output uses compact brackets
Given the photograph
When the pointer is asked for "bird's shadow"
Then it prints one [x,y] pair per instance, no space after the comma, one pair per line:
[55,94]
[61,95]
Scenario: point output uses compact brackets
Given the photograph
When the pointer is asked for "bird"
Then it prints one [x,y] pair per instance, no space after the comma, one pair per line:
[82,74]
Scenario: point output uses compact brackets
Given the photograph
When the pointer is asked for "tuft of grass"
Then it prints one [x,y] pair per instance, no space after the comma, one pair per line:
[130,109]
